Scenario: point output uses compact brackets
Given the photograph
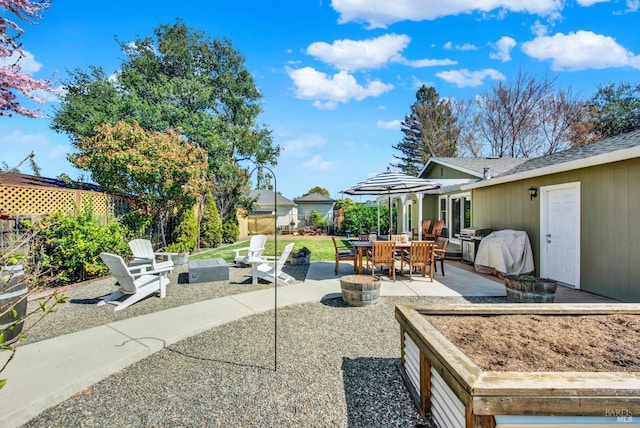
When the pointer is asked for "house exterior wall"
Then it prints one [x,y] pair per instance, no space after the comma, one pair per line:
[444,172]
[610,238]
[325,210]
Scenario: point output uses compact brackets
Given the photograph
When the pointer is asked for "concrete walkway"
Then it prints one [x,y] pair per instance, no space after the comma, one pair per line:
[46,373]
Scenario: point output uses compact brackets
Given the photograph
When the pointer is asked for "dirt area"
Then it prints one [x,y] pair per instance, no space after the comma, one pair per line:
[581,343]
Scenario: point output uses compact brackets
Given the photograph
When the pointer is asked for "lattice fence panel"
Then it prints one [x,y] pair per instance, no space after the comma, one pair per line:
[16,200]
[36,201]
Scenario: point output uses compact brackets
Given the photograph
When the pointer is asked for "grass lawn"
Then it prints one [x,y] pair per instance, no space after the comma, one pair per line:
[321,249]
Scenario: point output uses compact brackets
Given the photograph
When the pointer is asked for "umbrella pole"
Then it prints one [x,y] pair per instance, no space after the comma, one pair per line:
[390,216]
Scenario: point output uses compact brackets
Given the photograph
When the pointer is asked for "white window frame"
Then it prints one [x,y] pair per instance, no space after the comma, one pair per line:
[465,195]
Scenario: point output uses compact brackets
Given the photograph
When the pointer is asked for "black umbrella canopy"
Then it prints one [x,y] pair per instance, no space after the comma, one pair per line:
[391,183]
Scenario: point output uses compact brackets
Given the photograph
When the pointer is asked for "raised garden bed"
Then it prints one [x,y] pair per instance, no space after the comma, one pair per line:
[460,379]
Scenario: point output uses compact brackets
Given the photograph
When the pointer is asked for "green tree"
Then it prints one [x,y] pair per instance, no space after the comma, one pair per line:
[230,230]
[319,190]
[211,224]
[185,235]
[430,130]
[162,170]
[343,203]
[615,109]
[181,80]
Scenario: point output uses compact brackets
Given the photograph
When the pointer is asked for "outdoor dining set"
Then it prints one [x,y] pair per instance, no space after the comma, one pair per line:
[394,253]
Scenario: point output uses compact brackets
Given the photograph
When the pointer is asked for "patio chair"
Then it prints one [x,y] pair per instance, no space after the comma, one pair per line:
[145,257]
[436,232]
[243,256]
[383,253]
[271,273]
[420,255]
[343,253]
[426,224]
[134,283]
[439,253]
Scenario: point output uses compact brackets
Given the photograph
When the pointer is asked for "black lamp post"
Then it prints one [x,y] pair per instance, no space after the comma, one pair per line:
[275,259]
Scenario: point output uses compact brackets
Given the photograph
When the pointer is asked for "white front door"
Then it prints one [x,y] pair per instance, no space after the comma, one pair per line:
[560,240]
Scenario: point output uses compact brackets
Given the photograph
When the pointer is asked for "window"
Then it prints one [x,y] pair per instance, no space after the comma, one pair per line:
[442,215]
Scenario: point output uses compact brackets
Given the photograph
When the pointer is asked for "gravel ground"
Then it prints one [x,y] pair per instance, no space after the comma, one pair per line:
[337,366]
[81,311]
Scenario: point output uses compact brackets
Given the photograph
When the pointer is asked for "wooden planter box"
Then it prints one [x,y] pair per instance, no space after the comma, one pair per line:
[455,392]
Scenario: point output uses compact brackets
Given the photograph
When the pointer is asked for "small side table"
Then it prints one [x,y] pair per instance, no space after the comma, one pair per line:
[254,269]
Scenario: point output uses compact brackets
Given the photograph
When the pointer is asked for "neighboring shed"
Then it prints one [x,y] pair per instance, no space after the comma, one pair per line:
[314,201]
[261,220]
[579,208]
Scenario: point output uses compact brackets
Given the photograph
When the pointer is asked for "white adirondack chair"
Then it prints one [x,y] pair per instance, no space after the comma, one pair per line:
[271,273]
[253,252]
[144,256]
[135,283]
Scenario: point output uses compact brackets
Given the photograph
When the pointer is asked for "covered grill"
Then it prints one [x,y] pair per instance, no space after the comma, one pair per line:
[470,241]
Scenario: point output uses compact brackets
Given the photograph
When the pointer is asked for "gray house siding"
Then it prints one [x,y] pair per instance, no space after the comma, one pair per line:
[610,236]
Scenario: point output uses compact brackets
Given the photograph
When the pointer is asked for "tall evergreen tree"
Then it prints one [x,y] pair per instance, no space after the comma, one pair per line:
[211,224]
[615,109]
[430,130]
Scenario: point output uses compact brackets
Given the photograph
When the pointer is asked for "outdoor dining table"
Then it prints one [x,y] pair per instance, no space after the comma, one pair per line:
[361,246]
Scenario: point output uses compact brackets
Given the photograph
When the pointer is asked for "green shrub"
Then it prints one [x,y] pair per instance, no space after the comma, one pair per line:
[211,224]
[70,246]
[360,219]
[230,230]
[186,232]
[316,219]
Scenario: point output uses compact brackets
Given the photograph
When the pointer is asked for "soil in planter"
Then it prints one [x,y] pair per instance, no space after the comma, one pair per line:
[527,343]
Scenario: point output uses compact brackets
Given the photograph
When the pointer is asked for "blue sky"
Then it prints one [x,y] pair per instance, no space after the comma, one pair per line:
[337,77]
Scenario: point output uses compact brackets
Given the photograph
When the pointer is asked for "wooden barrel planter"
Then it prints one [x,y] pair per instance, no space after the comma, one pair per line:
[360,290]
[13,293]
[530,289]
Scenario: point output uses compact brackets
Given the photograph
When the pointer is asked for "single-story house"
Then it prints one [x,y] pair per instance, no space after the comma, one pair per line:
[314,201]
[261,219]
[577,207]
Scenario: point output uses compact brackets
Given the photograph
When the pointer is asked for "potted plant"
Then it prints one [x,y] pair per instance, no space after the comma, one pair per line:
[530,289]
[180,251]
[301,257]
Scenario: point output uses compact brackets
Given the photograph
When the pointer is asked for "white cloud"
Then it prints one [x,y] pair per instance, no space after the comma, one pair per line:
[463,47]
[420,63]
[316,163]
[463,78]
[580,51]
[380,13]
[328,91]
[539,29]
[27,62]
[590,2]
[633,5]
[503,49]
[354,55]
[302,145]
[392,124]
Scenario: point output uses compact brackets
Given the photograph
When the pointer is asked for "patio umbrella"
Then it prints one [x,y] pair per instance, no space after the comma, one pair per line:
[391,183]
